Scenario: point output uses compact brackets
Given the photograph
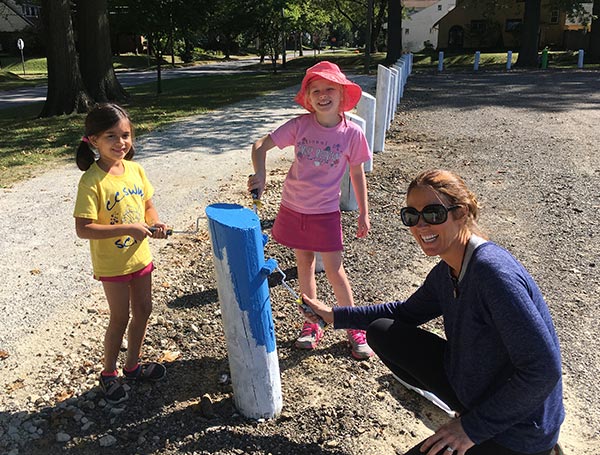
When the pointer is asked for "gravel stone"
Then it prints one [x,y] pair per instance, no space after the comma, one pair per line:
[527,144]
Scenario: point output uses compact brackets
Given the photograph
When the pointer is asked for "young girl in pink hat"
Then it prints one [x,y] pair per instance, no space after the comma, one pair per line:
[309,217]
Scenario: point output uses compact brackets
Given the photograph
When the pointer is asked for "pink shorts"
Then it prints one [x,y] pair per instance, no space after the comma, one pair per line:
[130,276]
[319,232]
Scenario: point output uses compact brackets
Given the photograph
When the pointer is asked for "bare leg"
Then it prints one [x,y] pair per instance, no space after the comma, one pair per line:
[117,295]
[336,275]
[141,306]
[305,261]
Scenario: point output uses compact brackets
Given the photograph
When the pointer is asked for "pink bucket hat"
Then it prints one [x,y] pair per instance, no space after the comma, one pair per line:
[331,72]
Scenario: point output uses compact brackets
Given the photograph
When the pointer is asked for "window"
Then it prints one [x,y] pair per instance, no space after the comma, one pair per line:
[439,7]
[406,31]
[478,26]
[513,25]
[554,15]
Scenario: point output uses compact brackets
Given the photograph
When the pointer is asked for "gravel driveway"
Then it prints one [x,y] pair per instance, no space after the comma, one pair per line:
[526,142]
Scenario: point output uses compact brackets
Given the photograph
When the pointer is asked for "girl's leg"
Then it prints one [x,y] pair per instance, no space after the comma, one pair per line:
[311,334]
[415,356]
[305,262]
[117,295]
[140,293]
[343,294]
[485,448]
[336,275]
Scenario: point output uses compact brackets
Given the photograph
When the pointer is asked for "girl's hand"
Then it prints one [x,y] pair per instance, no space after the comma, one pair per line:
[159,231]
[364,225]
[139,231]
[322,310]
[450,435]
[257,182]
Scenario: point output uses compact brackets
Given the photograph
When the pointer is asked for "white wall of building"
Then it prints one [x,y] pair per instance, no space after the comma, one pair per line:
[418,27]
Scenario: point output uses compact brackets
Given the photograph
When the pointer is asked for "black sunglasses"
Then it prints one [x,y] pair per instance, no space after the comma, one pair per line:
[432,214]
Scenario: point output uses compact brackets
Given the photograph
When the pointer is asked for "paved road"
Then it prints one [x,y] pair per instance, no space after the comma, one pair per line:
[20,97]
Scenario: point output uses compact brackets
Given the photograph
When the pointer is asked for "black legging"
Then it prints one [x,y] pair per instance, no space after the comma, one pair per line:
[417,357]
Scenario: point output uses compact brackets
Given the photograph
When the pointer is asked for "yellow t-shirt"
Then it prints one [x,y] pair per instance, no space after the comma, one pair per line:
[115,199]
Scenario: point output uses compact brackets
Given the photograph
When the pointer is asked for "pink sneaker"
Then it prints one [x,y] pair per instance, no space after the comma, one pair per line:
[358,344]
[310,336]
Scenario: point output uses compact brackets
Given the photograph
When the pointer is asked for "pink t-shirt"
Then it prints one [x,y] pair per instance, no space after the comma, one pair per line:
[321,156]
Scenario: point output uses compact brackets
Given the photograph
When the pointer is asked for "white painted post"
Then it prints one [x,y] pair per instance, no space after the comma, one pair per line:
[399,66]
[441,61]
[366,110]
[384,76]
[580,59]
[393,95]
[508,60]
[241,271]
[319,266]
[476,64]
[347,196]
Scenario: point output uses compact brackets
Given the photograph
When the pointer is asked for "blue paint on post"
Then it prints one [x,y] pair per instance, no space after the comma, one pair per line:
[237,238]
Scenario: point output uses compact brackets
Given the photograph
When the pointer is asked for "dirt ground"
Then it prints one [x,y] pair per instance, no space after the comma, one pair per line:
[526,143]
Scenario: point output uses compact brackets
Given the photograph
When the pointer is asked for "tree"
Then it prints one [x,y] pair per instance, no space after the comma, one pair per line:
[95,54]
[66,91]
[528,54]
[394,38]
[595,34]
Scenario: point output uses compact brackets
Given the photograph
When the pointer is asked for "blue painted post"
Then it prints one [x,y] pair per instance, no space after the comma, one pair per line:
[508,60]
[441,61]
[241,272]
[580,59]
[477,58]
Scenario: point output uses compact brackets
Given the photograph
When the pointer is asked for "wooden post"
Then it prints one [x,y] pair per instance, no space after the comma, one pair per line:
[347,196]
[241,273]
[393,95]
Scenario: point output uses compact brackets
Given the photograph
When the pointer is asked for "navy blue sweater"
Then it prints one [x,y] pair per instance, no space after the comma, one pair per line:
[502,358]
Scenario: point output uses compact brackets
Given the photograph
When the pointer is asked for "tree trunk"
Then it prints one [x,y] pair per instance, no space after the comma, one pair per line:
[95,53]
[394,37]
[594,49]
[66,92]
[528,54]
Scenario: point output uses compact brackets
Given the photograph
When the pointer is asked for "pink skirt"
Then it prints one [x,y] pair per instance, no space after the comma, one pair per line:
[320,232]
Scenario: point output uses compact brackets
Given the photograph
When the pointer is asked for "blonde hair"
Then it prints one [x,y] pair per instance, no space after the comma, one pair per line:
[316,78]
[454,189]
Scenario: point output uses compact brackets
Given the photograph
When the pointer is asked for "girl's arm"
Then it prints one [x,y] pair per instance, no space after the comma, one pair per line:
[88,229]
[151,217]
[259,158]
[359,183]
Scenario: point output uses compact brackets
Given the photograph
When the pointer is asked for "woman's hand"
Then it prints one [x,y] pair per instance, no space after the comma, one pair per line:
[321,310]
[450,437]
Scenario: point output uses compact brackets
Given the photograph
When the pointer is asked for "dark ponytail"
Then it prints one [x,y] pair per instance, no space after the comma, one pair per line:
[101,118]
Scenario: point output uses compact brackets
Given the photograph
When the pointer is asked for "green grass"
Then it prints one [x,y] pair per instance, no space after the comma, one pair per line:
[493,60]
[30,144]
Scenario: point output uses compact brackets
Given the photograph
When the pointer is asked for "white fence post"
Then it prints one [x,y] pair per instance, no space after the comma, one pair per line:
[508,60]
[441,61]
[393,95]
[580,59]
[366,109]
[347,196]
[476,64]
[384,76]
